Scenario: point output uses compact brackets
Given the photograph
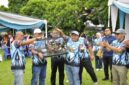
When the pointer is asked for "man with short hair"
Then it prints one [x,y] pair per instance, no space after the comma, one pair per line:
[107,55]
[18,57]
[119,70]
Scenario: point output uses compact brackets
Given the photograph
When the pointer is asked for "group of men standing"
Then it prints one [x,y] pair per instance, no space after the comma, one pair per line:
[79,55]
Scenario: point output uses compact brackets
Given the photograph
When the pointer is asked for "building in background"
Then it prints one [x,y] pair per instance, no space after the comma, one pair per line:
[4,3]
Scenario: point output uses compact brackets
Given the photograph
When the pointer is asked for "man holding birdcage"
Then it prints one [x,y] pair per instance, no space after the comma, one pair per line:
[57,61]
[38,61]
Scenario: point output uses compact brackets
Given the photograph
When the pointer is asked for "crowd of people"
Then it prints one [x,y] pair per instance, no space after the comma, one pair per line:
[108,50]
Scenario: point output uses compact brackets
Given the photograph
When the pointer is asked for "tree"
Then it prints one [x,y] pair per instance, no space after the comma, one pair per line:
[67,14]
[16,5]
[2,8]
[59,13]
[100,14]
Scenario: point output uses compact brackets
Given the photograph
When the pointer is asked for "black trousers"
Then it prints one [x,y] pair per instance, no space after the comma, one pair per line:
[88,66]
[107,61]
[57,63]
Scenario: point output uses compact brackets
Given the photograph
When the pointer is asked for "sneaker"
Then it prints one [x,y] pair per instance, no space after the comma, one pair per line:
[97,69]
[95,83]
[67,81]
[105,79]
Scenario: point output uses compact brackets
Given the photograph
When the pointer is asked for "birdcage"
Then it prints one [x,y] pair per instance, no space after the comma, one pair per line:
[54,47]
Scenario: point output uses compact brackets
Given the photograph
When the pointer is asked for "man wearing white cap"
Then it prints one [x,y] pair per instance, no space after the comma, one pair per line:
[119,70]
[72,60]
[38,61]
[77,50]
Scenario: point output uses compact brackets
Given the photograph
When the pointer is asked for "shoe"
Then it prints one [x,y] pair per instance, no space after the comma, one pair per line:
[95,83]
[105,79]
[97,69]
[67,81]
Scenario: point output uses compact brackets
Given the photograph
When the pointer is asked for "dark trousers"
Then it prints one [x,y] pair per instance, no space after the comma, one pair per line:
[107,61]
[57,63]
[88,66]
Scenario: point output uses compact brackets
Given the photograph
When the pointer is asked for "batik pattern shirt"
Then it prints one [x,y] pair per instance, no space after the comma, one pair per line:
[38,46]
[17,56]
[119,58]
[74,54]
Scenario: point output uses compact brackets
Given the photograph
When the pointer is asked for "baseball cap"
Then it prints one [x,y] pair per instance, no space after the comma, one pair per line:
[75,32]
[120,31]
[37,30]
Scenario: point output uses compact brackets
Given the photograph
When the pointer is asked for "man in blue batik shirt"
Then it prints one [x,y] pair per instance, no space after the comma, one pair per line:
[18,57]
[118,47]
[38,61]
[78,54]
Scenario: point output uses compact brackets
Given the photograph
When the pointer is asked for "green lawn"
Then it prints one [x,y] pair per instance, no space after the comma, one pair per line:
[6,77]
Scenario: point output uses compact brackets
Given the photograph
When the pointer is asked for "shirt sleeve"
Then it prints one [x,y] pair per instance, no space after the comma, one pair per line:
[87,43]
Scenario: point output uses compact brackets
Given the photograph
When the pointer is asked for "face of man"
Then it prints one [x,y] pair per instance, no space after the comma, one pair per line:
[98,35]
[120,36]
[38,35]
[74,37]
[55,33]
[107,31]
[19,35]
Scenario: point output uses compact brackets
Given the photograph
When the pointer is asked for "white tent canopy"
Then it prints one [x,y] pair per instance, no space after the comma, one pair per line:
[18,22]
[121,7]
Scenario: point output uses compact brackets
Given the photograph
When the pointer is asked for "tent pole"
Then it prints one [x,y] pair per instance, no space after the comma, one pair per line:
[45,28]
[25,31]
[13,32]
[109,15]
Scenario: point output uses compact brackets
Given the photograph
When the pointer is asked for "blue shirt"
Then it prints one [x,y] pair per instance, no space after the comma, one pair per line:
[95,45]
[109,39]
[38,46]
[119,58]
[17,56]
[74,53]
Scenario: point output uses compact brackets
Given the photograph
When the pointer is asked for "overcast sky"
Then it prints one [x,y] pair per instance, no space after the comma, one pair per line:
[4,2]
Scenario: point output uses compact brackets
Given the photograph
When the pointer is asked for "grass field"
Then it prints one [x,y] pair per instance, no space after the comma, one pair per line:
[6,77]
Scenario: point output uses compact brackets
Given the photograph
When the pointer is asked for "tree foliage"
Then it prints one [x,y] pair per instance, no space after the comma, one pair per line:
[100,10]
[16,5]
[2,8]
[67,14]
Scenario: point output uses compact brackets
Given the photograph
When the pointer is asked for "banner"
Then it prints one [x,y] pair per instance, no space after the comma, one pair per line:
[127,26]
[114,14]
[121,19]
